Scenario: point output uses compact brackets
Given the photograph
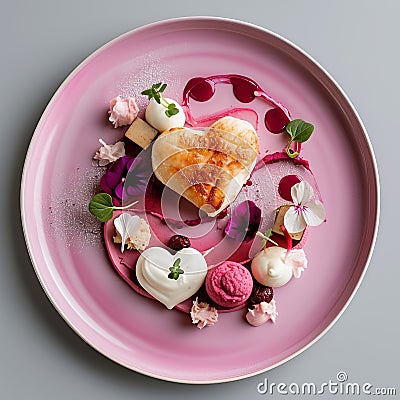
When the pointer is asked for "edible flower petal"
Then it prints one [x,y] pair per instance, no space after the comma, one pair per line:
[113,180]
[298,260]
[244,222]
[127,226]
[305,210]
[261,313]
[202,314]
[126,178]
[109,152]
[138,176]
[123,111]
[132,231]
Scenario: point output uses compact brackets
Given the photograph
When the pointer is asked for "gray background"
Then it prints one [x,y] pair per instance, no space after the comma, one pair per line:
[42,41]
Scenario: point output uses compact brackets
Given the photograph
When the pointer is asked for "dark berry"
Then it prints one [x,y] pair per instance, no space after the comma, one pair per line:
[261,293]
[178,242]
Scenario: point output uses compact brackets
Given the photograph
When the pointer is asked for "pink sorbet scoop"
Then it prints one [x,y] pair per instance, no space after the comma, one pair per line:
[229,284]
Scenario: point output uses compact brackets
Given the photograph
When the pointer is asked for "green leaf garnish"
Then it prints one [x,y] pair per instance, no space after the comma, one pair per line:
[175,270]
[299,131]
[155,93]
[102,207]
[266,237]
[171,110]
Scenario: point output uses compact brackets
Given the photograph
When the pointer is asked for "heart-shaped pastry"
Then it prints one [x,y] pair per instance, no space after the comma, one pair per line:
[207,166]
[153,271]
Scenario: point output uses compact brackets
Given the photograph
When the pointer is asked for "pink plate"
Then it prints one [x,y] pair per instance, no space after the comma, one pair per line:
[65,242]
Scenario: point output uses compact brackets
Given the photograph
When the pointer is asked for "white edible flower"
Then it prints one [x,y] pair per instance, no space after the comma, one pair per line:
[305,210]
[132,231]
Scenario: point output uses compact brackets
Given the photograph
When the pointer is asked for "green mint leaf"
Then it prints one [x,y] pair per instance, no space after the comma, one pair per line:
[146,92]
[173,275]
[171,110]
[299,130]
[175,270]
[155,93]
[101,206]
[157,97]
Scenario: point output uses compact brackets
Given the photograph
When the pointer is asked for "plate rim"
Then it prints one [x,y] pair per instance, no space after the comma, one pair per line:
[88,59]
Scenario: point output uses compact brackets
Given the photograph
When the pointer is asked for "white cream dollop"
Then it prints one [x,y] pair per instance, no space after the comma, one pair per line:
[156,117]
[269,267]
[274,267]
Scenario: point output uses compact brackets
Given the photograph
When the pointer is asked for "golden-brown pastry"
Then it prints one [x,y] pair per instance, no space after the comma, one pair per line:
[207,166]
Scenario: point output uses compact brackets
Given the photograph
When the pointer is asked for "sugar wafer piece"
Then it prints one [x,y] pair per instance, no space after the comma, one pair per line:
[141,133]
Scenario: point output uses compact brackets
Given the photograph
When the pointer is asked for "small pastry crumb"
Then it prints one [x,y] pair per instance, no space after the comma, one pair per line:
[203,314]
[138,240]
[141,133]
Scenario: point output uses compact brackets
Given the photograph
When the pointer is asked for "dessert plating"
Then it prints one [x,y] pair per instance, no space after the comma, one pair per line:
[217,170]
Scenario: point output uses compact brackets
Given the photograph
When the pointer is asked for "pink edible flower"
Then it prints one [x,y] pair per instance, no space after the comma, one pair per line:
[123,111]
[202,314]
[261,313]
[298,260]
[109,153]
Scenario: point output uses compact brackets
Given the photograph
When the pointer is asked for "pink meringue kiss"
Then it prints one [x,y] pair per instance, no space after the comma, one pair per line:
[123,111]
[261,313]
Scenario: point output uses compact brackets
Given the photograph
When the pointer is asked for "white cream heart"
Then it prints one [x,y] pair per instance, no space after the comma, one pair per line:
[152,270]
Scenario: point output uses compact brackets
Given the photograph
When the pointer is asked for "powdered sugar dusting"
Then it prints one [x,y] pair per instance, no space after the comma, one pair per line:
[147,70]
[69,216]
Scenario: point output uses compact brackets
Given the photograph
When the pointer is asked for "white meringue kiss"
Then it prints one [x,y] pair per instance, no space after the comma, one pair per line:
[271,267]
[152,269]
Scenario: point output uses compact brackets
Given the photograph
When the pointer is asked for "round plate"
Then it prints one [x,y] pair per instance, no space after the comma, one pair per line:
[65,242]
